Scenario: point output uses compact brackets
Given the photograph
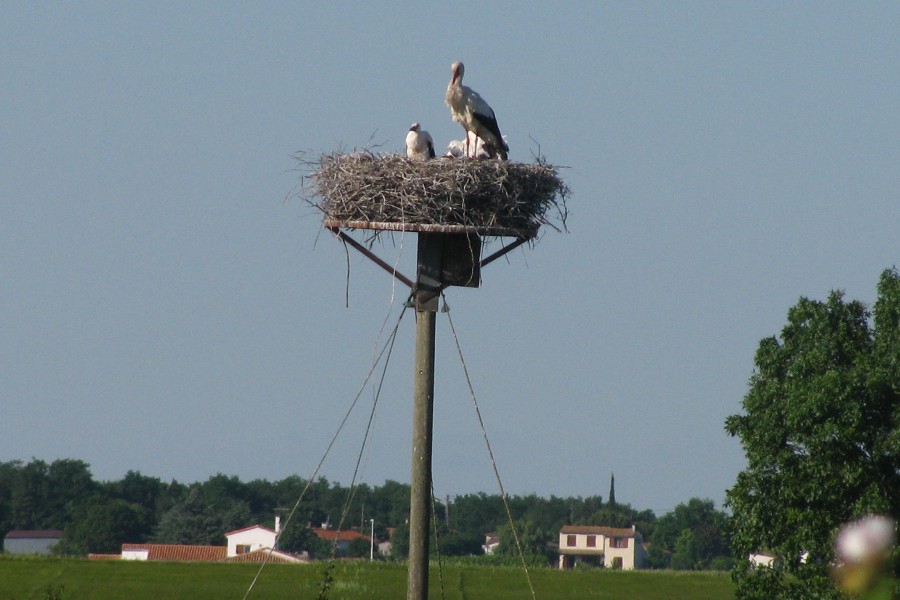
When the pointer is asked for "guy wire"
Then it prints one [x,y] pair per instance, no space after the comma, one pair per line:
[388,347]
[487,443]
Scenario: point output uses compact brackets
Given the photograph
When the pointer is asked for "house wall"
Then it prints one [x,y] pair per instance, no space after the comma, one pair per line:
[626,554]
[28,545]
[256,538]
[581,543]
[762,560]
[631,553]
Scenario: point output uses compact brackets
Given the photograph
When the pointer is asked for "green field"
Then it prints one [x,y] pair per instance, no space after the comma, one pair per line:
[65,579]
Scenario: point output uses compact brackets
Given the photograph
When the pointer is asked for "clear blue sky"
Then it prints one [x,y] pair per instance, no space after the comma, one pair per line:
[163,308]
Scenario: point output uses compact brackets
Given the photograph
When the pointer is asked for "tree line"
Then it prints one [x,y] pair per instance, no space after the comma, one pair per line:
[820,428]
[99,516]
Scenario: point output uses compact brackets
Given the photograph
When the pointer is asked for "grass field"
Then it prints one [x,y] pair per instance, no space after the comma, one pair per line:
[70,579]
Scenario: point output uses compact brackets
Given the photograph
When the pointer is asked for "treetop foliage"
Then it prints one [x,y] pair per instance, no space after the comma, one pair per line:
[820,430]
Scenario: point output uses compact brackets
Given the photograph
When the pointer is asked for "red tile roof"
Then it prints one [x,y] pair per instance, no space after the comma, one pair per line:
[329,535]
[248,529]
[180,552]
[595,530]
[259,556]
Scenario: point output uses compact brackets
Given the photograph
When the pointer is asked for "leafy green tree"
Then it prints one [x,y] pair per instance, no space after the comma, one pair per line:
[658,557]
[9,473]
[138,489]
[44,496]
[261,498]
[619,515]
[686,556]
[451,542]
[195,520]
[298,538]
[28,498]
[820,430]
[400,542]
[222,490]
[103,524]
[533,540]
[69,485]
[582,510]
[389,503]
[622,515]
[359,548]
[455,543]
[477,514]
[708,528]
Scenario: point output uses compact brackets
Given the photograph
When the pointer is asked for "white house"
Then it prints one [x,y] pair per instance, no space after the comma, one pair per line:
[385,546]
[491,541]
[249,539]
[250,544]
[257,544]
[761,559]
[611,547]
[135,552]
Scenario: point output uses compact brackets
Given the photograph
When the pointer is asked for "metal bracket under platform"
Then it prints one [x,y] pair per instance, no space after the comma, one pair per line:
[446,255]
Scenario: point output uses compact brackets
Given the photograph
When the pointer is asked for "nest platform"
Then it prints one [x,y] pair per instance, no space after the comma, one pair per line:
[485,197]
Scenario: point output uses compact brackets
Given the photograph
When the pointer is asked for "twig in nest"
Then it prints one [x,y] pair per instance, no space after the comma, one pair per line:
[363,186]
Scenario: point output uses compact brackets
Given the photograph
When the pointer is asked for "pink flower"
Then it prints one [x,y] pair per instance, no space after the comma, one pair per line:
[866,540]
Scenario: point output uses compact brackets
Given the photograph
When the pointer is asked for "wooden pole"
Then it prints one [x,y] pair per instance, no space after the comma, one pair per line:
[444,259]
[428,281]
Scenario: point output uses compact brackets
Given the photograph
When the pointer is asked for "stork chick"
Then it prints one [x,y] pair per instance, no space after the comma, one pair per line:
[419,145]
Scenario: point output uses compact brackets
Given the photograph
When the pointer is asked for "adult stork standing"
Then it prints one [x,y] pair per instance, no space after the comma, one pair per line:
[471,111]
[419,145]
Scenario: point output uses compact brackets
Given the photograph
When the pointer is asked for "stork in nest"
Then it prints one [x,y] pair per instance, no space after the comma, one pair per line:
[471,111]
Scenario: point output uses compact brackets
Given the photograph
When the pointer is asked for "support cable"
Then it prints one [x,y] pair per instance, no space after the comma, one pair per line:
[437,540]
[353,487]
[387,348]
[491,454]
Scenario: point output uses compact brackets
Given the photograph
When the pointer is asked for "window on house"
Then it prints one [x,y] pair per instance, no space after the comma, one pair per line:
[618,542]
[592,541]
[243,548]
[570,540]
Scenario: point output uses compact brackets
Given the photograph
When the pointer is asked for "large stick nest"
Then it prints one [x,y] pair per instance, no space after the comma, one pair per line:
[486,194]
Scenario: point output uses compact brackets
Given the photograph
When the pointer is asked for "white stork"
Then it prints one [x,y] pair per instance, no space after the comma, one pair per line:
[473,113]
[419,145]
[457,148]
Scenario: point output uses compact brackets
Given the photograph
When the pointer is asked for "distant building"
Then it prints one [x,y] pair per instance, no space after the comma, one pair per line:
[611,547]
[248,539]
[174,552]
[385,546]
[187,553]
[250,544]
[762,559]
[341,538]
[31,542]
[491,541]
